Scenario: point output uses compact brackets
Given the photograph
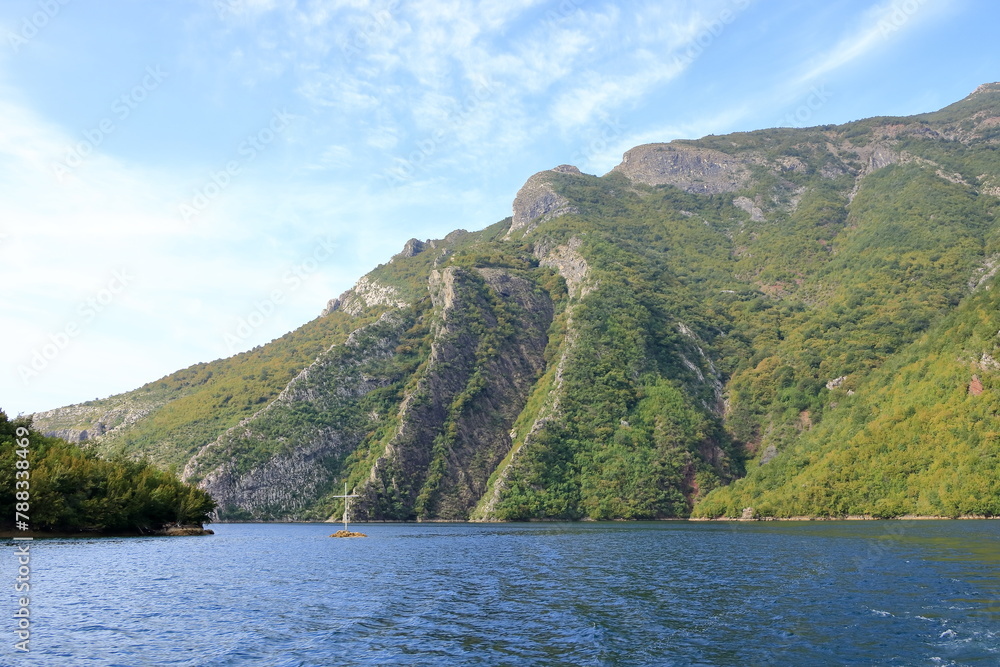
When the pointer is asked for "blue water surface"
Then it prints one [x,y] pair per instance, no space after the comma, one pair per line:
[672,593]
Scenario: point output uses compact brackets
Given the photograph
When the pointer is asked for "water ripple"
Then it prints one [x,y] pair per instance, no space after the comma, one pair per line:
[867,593]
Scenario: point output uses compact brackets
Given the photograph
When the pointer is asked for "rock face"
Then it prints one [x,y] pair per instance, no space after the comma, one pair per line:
[748,205]
[537,201]
[82,423]
[77,436]
[568,262]
[412,248]
[701,170]
[331,306]
[366,292]
[283,464]
[454,424]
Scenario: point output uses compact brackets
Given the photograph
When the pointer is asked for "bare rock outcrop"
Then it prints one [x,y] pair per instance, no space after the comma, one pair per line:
[366,293]
[411,248]
[537,201]
[85,423]
[568,262]
[454,424]
[748,205]
[699,170]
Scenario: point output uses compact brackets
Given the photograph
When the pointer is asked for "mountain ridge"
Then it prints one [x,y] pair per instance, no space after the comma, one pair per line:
[624,346]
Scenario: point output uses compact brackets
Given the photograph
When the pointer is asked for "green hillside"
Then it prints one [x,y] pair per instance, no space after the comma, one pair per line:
[168,420]
[919,436]
[787,320]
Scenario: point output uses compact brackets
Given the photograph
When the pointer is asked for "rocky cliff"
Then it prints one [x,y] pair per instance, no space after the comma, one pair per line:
[689,168]
[487,352]
[278,462]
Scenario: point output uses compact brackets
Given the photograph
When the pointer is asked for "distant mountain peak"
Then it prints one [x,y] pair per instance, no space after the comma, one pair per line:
[986,88]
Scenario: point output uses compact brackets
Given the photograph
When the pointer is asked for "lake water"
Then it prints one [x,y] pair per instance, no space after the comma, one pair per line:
[675,593]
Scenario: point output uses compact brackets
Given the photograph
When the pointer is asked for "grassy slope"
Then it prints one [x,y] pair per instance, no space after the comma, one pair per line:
[191,407]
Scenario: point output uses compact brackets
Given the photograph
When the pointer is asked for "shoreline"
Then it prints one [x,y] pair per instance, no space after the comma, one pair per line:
[853,517]
[190,531]
[164,531]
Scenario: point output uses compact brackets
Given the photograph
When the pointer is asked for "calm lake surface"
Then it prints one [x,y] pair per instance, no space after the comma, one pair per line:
[675,593]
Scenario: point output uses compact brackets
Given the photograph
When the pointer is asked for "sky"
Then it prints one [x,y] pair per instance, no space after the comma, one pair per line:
[183,181]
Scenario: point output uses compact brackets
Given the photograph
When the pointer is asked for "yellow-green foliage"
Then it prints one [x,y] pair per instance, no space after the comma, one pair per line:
[192,407]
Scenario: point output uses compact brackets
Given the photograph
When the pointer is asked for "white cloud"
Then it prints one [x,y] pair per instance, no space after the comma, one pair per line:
[383,137]
[600,94]
[653,43]
[495,15]
[186,283]
[875,28]
[334,157]
[372,84]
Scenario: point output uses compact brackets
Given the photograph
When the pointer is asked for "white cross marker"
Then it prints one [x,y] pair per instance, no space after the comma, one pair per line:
[346,503]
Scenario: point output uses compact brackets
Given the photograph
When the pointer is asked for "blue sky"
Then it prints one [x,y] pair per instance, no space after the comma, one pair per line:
[169,169]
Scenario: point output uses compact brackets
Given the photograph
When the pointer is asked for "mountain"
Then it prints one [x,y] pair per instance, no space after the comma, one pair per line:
[787,322]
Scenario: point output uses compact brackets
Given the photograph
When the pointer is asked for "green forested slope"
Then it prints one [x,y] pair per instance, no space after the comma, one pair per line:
[920,435]
[804,309]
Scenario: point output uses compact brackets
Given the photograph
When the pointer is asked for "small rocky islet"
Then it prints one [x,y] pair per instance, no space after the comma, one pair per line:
[347,533]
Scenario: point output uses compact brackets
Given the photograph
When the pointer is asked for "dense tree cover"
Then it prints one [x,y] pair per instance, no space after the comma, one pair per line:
[68,489]
[919,436]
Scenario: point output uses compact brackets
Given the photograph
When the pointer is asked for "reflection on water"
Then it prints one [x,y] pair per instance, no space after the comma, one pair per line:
[674,593]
